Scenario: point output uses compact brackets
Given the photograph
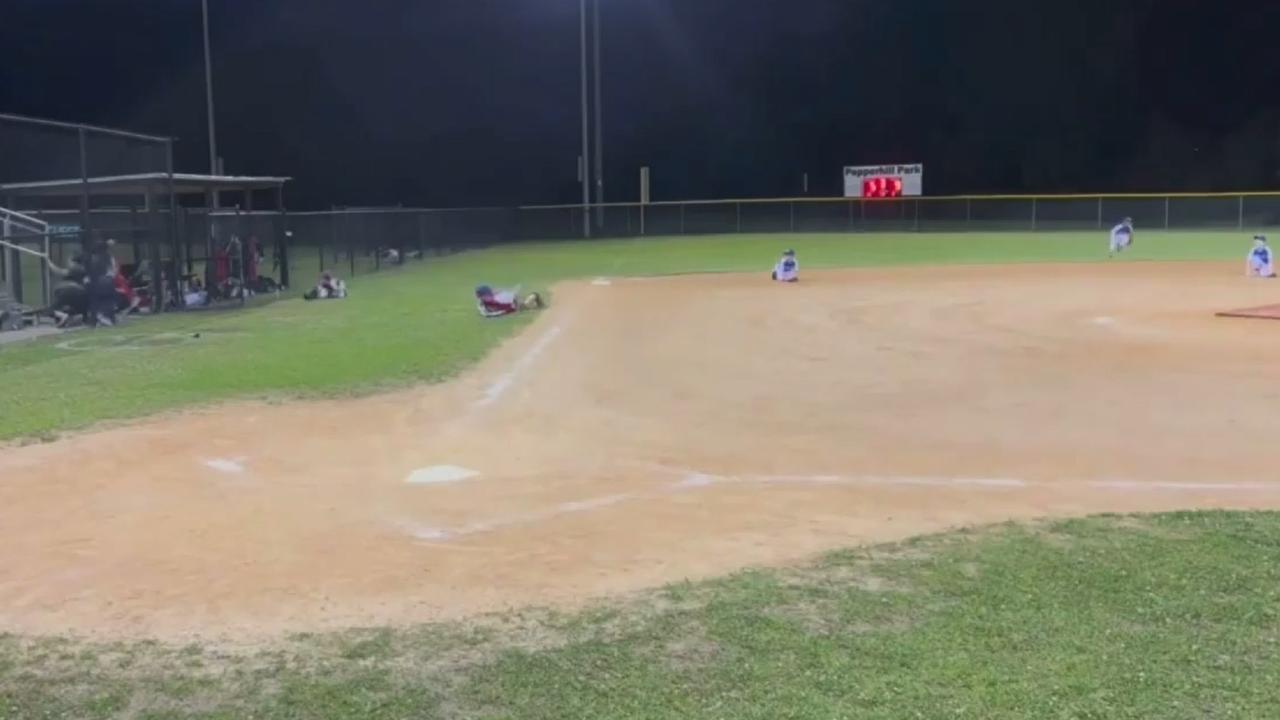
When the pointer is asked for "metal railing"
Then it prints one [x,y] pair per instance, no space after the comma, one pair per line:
[20,235]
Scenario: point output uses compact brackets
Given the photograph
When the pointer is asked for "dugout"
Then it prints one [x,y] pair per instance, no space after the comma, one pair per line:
[169,226]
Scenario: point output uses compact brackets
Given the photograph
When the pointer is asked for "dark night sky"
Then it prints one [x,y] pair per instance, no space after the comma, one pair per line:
[475,102]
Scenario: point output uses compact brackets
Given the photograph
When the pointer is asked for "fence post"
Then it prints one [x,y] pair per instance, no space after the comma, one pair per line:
[1099,212]
[850,213]
[1240,220]
[916,222]
[85,240]
[1166,212]
[737,216]
[45,273]
[968,213]
[15,273]
[791,206]
[1034,207]
[682,218]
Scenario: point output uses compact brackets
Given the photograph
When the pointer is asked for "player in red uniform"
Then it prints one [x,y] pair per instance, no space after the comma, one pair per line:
[504,302]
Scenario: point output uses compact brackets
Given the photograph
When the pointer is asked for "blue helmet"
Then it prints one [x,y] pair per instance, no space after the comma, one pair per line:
[482,290]
[789,252]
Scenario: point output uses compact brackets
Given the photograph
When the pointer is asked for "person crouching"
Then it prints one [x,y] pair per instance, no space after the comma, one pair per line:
[329,288]
[1260,263]
[788,268]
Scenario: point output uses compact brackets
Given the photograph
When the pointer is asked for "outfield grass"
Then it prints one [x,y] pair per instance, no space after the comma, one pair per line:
[1168,617]
[417,324]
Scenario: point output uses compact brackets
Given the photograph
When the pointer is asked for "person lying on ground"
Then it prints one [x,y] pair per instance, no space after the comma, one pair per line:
[329,288]
[492,303]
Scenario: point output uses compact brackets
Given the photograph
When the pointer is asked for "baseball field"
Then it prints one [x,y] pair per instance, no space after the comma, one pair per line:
[971,476]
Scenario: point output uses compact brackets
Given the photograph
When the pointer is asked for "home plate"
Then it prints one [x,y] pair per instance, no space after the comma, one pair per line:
[1266,312]
[439,475]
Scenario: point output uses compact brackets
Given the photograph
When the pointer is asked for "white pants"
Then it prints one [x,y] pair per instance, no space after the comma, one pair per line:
[1120,242]
[1261,269]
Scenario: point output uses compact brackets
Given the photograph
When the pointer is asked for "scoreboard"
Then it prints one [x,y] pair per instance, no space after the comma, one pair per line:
[884,181]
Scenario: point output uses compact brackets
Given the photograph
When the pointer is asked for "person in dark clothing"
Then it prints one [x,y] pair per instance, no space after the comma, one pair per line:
[100,267]
[70,296]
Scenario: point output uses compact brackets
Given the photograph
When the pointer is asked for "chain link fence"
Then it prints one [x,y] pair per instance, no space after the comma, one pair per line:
[925,214]
[50,175]
[359,241]
[354,242]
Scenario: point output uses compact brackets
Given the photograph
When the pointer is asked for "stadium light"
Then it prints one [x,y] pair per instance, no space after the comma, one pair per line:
[208,92]
[587,166]
[586,122]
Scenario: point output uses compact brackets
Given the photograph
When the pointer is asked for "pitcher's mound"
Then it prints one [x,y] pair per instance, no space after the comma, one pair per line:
[1266,312]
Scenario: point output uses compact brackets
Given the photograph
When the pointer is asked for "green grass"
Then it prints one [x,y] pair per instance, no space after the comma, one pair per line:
[1168,617]
[417,324]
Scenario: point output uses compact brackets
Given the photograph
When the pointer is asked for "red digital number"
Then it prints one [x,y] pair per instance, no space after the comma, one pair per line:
[882,187]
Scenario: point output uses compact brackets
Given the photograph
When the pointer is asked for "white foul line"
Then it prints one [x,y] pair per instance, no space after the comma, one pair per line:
[507,379]
[429,533]
[693,480]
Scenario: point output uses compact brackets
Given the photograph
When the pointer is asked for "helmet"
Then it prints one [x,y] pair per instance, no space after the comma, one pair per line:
[789,252]
[483,290]
[1260,239]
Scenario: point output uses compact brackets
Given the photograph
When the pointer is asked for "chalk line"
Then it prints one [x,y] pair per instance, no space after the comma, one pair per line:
[691,480]
[431,533]
[499,387]
[1136,485]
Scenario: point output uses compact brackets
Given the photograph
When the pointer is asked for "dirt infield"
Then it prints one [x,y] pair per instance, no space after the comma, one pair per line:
[645,431]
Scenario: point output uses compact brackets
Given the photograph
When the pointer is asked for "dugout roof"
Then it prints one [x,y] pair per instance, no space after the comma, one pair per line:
[141,184]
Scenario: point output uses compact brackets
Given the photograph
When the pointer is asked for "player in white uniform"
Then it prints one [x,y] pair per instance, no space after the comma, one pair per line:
[788,268]
[1260,263]
[1121,237]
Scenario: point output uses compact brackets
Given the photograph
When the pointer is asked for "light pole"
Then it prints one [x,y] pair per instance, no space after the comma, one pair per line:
[599,119]
[586,122]
[208,91]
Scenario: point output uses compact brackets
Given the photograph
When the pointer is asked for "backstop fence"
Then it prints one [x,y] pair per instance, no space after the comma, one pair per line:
[36,154]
